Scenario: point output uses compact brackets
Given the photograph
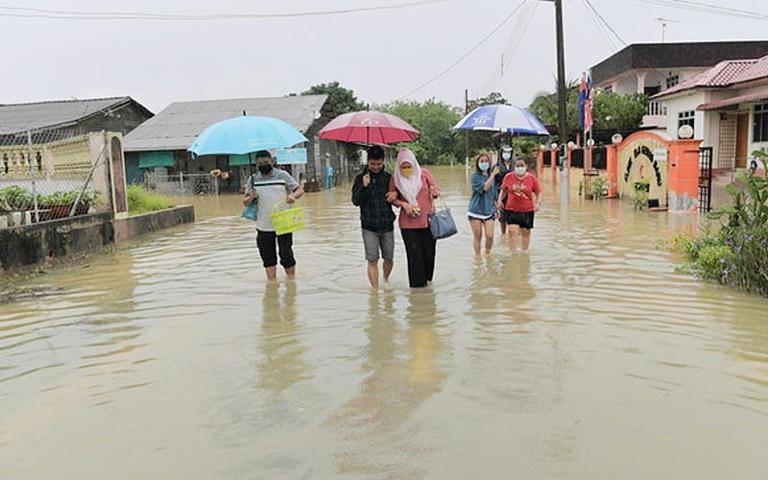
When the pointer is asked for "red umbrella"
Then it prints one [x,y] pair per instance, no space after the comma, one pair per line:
[369,127]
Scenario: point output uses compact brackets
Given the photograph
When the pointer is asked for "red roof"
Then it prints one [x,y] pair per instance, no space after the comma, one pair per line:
[755,72]
[721,75]
[756,96]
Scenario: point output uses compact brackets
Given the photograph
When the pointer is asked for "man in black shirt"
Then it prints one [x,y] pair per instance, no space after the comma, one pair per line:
[376,216]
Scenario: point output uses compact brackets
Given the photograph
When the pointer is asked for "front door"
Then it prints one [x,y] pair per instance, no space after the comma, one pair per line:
[742,140]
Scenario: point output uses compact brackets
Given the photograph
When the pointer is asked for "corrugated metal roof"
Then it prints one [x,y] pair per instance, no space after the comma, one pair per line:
[176,127]
[20,117]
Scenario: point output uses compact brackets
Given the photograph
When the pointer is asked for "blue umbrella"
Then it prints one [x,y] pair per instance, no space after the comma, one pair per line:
[245,134]
[502,118]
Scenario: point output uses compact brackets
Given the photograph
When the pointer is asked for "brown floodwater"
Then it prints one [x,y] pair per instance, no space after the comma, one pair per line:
[588,358]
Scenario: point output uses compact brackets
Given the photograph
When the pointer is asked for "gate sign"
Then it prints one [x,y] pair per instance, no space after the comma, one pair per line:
[644,161]
[292,156]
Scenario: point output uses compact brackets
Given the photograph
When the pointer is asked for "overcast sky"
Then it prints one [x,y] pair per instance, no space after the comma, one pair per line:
[380,55]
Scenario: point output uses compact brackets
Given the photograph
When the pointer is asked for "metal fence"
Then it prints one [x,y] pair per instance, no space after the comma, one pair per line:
[182,183]
[51,174]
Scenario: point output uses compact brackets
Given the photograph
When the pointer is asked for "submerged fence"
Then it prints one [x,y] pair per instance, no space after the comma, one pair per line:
[182,183]
[51,174]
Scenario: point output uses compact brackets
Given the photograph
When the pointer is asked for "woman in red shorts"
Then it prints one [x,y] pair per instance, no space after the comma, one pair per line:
[519,199]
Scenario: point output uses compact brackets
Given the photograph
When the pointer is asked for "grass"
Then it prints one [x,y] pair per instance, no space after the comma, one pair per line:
[141,201]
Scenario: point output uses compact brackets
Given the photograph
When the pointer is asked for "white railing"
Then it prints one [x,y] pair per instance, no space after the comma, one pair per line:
[657,108]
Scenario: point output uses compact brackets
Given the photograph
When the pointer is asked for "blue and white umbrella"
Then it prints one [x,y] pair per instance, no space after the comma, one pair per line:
[502,118]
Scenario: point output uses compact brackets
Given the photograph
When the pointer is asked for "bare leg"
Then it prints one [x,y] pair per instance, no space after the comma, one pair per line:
[290,272]
[489,227]
[271,273]
[373,274]
[503,228]
[477,234]
[388,265]
[526,234]
[514,230]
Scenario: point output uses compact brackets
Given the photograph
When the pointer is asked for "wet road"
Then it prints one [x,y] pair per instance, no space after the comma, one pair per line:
[588,358]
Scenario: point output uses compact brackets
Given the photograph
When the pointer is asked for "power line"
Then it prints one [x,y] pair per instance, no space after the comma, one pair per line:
[701,7]
[516,37]
[470,52]
[605,22]
[601,28]
[31,12]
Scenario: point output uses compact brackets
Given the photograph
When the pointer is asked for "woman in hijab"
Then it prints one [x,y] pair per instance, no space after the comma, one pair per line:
[413,189]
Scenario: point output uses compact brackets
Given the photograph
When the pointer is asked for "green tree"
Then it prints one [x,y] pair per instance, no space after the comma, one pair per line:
[494,98]
[618,112]
[438,143]
[343,100]
[611,111]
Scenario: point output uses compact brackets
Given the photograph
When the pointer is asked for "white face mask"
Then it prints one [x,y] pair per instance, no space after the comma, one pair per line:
[506,156]
[520,170]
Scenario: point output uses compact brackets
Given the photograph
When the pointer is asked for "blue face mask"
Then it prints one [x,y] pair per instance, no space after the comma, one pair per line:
[484,166]
[520,171]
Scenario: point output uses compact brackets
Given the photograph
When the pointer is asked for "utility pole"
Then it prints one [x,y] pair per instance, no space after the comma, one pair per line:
[562,93]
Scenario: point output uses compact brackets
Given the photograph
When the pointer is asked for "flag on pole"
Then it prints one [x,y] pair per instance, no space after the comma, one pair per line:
[585,103]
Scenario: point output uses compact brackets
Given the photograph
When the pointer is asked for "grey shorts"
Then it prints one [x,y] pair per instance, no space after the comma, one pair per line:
[379,241]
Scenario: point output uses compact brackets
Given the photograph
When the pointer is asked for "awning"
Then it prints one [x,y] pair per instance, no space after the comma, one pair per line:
[729,102]
[239,160]
[156,159]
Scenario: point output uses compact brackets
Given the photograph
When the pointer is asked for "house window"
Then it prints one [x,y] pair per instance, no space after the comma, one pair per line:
[686,118]
[673,80]
[760,132]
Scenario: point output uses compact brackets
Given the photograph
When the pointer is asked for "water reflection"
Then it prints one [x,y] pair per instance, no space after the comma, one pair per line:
[376,427]
[282,365]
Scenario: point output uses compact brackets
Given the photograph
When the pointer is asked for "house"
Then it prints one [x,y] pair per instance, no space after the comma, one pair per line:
[727,106]
[115,114]
[159,146]
[653,68]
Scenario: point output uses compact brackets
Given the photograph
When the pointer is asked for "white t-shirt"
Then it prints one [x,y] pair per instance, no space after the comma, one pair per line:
[272,188]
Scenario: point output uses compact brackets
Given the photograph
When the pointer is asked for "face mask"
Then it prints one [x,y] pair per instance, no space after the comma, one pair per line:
[406,172]
[265,169]
[484,166]
[520,171]
[506,156]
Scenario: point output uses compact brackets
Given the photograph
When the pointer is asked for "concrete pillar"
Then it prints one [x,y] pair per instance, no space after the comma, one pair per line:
[612,165]
[641,82]
[539,163]
[587,159]
[684,175]
[553,163]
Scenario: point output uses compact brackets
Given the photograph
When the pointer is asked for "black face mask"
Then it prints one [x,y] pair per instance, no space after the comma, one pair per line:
[265,169]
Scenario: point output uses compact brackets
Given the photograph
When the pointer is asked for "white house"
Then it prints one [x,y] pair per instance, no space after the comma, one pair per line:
[727,106]
[653,68]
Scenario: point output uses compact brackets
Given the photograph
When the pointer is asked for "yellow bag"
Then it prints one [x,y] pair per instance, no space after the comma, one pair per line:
[287,221]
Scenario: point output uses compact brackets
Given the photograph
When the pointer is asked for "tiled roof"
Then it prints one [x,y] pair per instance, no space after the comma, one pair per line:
[20,117]
[176,127]
[756,71]
[721,75]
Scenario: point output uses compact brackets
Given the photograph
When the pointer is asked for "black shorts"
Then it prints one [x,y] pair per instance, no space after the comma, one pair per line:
[521,219]
[269,242]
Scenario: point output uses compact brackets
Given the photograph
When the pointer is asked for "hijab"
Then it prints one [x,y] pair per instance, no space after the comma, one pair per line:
[409,187]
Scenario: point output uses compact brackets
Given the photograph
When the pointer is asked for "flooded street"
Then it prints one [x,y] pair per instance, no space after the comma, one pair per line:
[589,358]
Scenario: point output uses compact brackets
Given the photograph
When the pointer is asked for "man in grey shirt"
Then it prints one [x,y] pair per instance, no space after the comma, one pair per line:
[268,187]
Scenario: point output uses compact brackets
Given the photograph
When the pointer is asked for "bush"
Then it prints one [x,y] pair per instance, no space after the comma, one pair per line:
[141,201]
[598,187]
[736,254]
[17,198]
